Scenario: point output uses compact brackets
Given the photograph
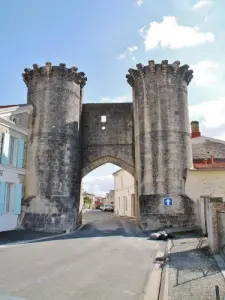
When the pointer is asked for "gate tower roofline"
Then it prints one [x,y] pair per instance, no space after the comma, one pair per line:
[69,74]
[164,68]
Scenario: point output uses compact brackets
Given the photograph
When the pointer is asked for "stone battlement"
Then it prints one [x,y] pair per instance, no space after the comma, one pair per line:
[155,69]
[69,74]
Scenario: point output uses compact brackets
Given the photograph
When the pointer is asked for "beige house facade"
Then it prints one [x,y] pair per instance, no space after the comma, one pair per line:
[210,183]
[110,196]
[124,193]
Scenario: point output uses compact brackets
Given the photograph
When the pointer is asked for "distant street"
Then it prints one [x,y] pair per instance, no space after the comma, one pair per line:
[107,259]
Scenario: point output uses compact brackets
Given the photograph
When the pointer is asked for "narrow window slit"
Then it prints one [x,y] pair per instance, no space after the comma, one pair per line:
[103,119]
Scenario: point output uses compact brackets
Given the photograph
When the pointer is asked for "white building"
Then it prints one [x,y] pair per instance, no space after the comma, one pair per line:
[124,194]
[13,136]
[109,198]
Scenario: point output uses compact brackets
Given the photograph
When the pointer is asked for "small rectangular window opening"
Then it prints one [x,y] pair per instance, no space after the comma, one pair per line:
[103,119]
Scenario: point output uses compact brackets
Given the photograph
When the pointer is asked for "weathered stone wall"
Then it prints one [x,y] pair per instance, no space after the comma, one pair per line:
[52,182]
[153,132]
[162,142]
[113,143]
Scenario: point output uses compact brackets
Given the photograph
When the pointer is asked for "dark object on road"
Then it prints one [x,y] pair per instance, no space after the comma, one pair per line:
[161,235]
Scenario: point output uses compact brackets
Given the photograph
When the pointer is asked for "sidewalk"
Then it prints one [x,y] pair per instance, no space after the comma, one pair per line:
[13,236]
[191,272]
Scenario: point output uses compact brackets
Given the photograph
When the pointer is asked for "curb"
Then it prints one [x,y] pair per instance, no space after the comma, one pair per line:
[152,287]
[154,281]
[19,243]
[165,295]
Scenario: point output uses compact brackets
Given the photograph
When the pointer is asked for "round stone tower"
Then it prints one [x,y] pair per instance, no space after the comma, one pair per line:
[52,181]
[162,143]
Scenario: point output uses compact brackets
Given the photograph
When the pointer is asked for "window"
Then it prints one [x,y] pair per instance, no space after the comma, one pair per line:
[125,202]
[8,197]
[103,119]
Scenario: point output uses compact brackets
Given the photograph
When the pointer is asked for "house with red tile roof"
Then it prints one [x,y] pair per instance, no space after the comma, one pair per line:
[207,177]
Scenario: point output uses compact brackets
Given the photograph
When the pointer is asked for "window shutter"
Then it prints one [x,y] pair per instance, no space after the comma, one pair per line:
[17,199]
[2,197]
[20,153]
[1,143]
[5,149]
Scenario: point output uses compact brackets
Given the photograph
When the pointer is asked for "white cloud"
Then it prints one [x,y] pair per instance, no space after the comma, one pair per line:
[118,99]
[169,34]
[205,72]
[210,114]
[128,53]
[202,4]
[98,185]
[139,2]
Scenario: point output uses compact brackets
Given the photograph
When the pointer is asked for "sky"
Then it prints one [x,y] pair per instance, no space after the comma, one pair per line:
[104,38]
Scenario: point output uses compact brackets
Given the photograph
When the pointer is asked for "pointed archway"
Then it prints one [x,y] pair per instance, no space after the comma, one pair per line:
[104,160]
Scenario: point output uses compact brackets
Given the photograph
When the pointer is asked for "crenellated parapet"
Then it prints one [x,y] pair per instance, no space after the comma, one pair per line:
[163,69]
[69,74]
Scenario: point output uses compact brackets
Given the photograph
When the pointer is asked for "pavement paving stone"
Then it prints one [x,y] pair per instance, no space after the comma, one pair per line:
[193,271]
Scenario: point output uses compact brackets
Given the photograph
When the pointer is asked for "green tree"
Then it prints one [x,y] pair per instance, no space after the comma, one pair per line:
[87,202]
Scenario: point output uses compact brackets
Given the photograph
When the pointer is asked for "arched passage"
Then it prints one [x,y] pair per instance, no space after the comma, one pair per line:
[107,159]
[94,186]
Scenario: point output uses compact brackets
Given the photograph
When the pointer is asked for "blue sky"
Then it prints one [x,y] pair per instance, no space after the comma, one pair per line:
[104,38]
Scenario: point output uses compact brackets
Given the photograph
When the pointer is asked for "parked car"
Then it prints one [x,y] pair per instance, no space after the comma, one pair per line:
[107,207]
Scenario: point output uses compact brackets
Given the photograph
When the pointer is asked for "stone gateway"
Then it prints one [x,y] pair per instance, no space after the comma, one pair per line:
[149,138]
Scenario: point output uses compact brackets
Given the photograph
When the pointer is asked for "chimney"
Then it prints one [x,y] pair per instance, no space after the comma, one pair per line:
[211,159]
[195,129]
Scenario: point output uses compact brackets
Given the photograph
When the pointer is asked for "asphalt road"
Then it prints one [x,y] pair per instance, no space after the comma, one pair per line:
[109,258]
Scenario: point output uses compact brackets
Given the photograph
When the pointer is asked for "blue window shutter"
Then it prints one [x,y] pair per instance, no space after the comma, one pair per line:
[17,199]
[20,153]
[5,149]
[2,197]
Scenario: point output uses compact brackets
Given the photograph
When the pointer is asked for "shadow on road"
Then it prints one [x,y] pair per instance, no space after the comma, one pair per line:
[88,230]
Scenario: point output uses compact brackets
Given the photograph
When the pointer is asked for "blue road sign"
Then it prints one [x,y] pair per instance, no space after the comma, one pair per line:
[168,201]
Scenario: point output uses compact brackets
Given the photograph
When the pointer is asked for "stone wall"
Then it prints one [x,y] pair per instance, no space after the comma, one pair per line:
[148,138]
[110,141]
[52,182]
[215,225]
[162,142]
